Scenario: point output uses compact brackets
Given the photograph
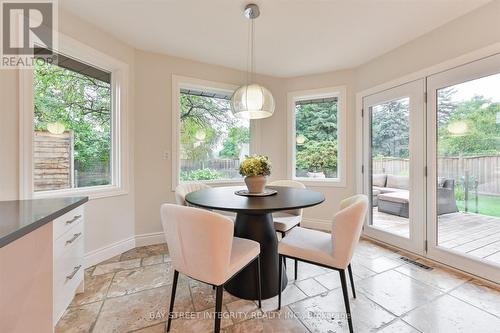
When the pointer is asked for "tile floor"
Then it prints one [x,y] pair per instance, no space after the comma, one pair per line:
[130,293]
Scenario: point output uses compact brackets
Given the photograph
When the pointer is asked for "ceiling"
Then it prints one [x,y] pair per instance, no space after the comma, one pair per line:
[293,37]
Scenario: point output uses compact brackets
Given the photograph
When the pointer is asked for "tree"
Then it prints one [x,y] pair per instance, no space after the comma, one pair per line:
[318,157]
[232,144]
[82,104]
[482,130]
[317,121]
[391,129]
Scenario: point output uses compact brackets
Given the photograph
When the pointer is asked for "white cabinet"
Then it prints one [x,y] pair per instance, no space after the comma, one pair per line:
[68,259]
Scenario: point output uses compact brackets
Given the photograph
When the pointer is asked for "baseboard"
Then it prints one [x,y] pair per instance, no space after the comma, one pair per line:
[150,239]
[319,224]
[109,251]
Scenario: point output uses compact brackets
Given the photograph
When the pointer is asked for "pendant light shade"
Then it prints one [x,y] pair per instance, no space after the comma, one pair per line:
[252,102]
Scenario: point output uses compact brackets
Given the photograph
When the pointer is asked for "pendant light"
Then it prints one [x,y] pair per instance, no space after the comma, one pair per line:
[252,101]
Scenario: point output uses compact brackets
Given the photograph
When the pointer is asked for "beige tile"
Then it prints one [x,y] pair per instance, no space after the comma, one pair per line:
[96,288]
[78,319]
[130,281]
[144,251]
[377,265]
[242,309]
[398,326]
[332,280]
[153,260]
[140,310]
[397,292]
[204,295]
[448,314]
[440,278]
[116,266]
[200,322]
[311,287]
[326,313]
[484,296]
[283,321]
[166,258]
[305,270]
[371,250]
[290,295]
[160,328]
[361,271]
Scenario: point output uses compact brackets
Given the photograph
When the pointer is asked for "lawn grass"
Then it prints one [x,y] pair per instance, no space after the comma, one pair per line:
[488,205]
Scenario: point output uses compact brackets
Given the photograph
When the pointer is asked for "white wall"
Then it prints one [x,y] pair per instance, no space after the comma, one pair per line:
[465,34]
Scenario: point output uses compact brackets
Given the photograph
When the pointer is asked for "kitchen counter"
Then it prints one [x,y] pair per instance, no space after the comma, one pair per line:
[20,217]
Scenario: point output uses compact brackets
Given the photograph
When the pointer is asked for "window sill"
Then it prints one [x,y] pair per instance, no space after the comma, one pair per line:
[217,183]
[321,182]
[95,192]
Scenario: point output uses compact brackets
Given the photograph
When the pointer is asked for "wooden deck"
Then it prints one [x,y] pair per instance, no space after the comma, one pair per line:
[473,234]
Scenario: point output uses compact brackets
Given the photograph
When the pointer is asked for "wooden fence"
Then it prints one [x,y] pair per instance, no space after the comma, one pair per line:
[52,160]
[483,169]
[228,167]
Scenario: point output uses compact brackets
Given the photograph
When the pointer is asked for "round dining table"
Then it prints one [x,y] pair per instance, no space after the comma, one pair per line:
[254,221]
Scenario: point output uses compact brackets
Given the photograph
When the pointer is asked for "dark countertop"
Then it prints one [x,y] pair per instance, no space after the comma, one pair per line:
[20,217]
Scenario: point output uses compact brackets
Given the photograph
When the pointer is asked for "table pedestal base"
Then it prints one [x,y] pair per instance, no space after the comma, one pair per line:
[259,228]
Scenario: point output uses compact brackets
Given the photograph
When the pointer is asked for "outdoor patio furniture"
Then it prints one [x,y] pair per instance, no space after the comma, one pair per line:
[391,195]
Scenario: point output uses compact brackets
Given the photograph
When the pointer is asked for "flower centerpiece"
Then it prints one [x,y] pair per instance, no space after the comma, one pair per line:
[255,168]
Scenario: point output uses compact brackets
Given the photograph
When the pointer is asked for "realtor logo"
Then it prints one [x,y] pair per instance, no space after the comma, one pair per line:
[27,28]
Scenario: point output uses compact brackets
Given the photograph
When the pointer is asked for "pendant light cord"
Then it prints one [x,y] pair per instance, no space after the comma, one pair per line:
[251,52]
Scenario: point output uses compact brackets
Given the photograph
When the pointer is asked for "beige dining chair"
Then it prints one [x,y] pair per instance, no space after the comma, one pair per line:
[185,188]
[286,220]
[202,246]
[333,251]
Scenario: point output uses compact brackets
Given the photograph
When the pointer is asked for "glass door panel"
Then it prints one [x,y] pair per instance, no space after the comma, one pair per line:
[463,154]
[393,141]
[468,168]
[390,161]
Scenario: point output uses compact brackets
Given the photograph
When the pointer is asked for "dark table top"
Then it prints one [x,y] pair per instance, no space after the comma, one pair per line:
[223,198]
[20,217]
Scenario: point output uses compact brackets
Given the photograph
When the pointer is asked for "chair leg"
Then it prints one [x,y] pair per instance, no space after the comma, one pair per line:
[283,234]
[280,269]
[172,299]
[346,299]
[259,288]
[296,268]
[352,280]
[218,308]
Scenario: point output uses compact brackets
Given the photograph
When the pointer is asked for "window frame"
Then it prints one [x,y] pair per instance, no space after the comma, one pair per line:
[119,124]
[340,93]
[185,82]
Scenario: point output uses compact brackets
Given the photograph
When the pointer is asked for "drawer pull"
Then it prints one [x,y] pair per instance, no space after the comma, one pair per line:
[75,270]
[76,217]
[75,236]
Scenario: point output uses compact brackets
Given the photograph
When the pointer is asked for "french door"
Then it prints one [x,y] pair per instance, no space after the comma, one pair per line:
[432,166]
[463,155]
[394,165]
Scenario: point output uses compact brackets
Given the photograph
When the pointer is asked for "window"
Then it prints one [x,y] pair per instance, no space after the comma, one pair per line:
[212,142]
[72,125]
[316,144]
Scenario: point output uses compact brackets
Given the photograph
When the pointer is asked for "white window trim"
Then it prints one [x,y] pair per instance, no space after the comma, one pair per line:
[340,92]
[119,151]
[186,82]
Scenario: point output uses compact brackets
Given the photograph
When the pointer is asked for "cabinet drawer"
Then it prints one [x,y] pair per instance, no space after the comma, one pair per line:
[68,268]
[65,222]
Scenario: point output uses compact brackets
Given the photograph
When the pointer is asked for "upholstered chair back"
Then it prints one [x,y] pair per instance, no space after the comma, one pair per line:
[199,242]
[183,189]
[346,228]
[289,183]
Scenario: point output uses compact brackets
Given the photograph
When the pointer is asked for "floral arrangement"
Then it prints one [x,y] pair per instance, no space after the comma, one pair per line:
[255,165]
